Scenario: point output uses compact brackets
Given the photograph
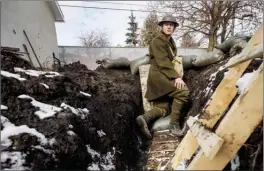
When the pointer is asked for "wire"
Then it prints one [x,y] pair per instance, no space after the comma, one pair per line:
[118,3]
[117,9]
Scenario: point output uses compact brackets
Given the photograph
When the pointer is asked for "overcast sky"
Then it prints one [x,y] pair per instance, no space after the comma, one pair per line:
[84,19]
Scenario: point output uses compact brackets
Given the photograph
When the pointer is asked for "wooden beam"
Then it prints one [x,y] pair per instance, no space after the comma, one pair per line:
[236,127]
[220,100]
[209,142]
[256,52]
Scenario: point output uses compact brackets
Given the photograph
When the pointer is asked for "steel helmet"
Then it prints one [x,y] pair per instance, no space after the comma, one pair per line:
[169,18]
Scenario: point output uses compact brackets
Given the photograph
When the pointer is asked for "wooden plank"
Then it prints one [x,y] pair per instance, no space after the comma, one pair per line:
[221,99]
[236,127]
[143,73]
[256,52]
[209,142]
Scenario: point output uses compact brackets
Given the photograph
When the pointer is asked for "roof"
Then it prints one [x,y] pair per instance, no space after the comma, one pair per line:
[56,10]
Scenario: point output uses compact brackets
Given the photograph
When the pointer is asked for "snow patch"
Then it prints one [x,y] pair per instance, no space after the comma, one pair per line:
[70,126]
[3,107]
[105,161]
[12,130]
[79,111]
[52,141]
[94,166]
[45,111]
[71,133]
[86,94]
[244,81]
[8,74]
[183,165]
[45,85]
[101,133]
[235,163]
[43,149]
[35,73]
[16,160]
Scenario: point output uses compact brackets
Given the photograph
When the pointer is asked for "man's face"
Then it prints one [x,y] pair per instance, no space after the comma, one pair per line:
[168,28]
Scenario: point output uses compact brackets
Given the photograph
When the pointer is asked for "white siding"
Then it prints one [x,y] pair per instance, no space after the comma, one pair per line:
[36,18]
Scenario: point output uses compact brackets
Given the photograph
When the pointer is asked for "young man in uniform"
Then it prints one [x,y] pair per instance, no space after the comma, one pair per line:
[164,83]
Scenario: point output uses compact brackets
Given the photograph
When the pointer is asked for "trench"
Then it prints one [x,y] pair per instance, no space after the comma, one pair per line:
[102,137]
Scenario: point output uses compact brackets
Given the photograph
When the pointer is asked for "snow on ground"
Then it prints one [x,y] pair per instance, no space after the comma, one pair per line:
[101,133]
[16,160]
[105,162]
[71,133]
[3,107]
[52,141]
[79,111]
[183,165]
[35,73]
[235,163]
[45,111]
[45,85]
[86,94]
[244,81]
[9,74]
[12,130]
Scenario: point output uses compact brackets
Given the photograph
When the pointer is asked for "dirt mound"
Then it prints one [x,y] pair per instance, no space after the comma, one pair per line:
[93,126]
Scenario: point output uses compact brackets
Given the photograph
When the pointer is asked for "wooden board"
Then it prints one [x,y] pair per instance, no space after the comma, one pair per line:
[221,99]
[163,146]
[256,52]
[209,142]
[236,127]
[143,72]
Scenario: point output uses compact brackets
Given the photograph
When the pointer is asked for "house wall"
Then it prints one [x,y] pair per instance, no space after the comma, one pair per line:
[36,18]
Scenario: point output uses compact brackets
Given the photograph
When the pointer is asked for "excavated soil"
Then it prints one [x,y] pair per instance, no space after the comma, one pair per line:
[107,136]
[113,106]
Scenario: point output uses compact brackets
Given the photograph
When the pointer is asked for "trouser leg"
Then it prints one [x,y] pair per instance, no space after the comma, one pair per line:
[180,97]
[159,109]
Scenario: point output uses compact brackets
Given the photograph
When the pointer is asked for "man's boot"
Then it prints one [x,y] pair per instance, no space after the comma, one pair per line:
[175,117]
[144,120]
[176,129]
[143,124]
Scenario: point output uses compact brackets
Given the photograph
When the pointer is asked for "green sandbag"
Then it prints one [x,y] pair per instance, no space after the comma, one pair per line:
[108,63]
[226,45]
[161,124]
[134,65]
[207,58]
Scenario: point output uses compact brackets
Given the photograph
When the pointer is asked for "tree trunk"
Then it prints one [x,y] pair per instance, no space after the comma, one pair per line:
[212,39]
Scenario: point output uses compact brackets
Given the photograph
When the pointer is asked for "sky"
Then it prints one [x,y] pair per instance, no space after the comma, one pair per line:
[79,20]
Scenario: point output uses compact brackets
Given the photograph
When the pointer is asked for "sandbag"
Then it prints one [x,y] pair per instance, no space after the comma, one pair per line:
[161,124]
[187,61]
[134,65]
[226,45]
[237,48]
[208,58]
[108,63]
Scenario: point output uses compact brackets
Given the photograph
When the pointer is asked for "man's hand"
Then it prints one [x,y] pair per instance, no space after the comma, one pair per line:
[179,83]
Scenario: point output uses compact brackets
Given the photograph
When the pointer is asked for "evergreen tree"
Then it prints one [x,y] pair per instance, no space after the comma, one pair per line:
[132,36]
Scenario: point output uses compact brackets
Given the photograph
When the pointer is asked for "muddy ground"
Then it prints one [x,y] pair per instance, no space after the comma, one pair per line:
[106,137]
